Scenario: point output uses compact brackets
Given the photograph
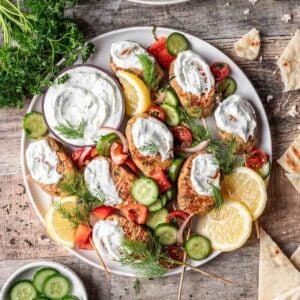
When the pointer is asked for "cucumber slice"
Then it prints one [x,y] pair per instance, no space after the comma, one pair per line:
[164,199]
[172,115]
[22,290]
[175,168]
[104,143]
[265,170]
[171,97]
[170,193]
[70,297]
[56,287]
[227,87]
[156,218]
[41,298]
[177,43]
[197,247]
[40,277]
[34,125]
[157,205]
[166,234]
[145,191]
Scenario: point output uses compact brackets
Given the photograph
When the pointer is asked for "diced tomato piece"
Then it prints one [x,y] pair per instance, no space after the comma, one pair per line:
[161,178]
[183,135]
[157,112]
[165,58]
[82,235]
[256,159]
[93,153]
[103,211]
[86,246]
[220,70]
[130,163]
[176,252]
[135,212]
[157,46]
[76,154]
[117,155]
[177,217]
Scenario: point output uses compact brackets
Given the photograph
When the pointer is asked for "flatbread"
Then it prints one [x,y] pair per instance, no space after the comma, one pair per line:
[295,258]
[277,274]
[295,180]
[289,64]
[248,46]
[293,294]
[290,160]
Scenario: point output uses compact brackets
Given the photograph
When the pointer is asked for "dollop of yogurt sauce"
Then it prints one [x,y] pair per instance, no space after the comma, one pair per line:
[125,54]
[107,237]
[88,95]
[236,115]
[193,74]
[42,162]
[97,176]
[205,172]
[150,133]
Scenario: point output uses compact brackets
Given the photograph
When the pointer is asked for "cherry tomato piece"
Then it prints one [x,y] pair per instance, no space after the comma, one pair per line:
[256,159]
[220,70]
[157,112]
[162,180]
[165,58]
[183,135]
[176,252]
[103,211]
[76,154]
[135,212]
[177,217]
[82,236]
[130,163]
[117,155]
[157,46]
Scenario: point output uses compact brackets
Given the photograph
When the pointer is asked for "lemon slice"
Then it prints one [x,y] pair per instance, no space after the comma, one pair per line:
[246,186]
[137,95]
[228,228]
[58,228]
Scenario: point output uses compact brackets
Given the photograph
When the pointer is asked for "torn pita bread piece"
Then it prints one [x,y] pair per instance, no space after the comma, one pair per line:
[290,160]
[295,258]
[277,274]
[293,294]
[295,180]
[289,64]
[248,46]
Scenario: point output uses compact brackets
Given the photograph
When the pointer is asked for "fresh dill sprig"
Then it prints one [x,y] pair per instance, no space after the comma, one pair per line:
[218,198]
[137,286]
[72,131]
[149,148]
[149,70]
[63,78]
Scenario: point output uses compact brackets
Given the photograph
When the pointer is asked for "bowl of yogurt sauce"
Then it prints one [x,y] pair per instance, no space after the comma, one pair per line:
[81,101]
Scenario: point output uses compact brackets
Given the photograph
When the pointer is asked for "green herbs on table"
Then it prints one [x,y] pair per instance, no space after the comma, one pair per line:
[72,131]
[149,70]
[137,286]
[150,148]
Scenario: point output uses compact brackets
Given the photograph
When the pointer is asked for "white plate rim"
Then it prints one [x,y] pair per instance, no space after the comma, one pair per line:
[157,2]
[265,122]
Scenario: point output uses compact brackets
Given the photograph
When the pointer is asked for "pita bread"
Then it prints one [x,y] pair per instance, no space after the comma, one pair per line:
[289,64]
[293,294]
[248,46]
[295,180]
[295,258]
[277,274]
[290,160]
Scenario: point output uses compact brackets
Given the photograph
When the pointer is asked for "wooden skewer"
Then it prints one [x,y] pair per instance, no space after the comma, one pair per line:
[257,229]
[100,259]
[204,123]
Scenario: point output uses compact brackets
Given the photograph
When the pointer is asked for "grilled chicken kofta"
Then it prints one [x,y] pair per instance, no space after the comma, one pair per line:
[235,118]
[49,164]
[195,194]
[194,84]
[150,143]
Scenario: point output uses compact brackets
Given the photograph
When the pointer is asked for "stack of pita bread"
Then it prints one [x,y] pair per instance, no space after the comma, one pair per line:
[290,162]
[279,278]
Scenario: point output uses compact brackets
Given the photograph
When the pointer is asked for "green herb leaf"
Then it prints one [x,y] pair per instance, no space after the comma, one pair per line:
[136,286]
[63,79]
[149,148]
[72,131]
[218,198]
[149,70]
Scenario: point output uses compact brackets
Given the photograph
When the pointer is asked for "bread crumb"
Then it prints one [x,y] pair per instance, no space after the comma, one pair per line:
[286,18]
[227,4]
[246,11]
[253,2]
[269,98]
[293,111]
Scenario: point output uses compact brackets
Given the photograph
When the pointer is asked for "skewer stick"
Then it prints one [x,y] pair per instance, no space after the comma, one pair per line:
[204,123]
[100,259]
[257,229]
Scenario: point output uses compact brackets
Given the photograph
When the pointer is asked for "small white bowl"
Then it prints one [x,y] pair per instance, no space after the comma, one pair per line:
[28,271]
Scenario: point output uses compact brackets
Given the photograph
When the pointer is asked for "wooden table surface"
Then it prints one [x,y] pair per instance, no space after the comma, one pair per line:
[22,236]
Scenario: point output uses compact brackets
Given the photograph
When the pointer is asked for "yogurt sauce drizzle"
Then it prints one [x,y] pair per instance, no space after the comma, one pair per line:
[204,172]
[235,115]
[107,237]
[147,131]
[125,54]
[97,176]
[88,95]
[42,162]
[193,74]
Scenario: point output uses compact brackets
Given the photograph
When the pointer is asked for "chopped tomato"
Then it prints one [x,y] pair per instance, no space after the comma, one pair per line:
[103,211]
[135,212]
[157,46]
[220,70]
[177,217]
[76,154]
[129,162]
[161,178]
[183,135]
[86,246]
[117,155]
[256,159]
[93,152]
[175,252]
[82,236]
[157,112]
[82,156]
[165,58]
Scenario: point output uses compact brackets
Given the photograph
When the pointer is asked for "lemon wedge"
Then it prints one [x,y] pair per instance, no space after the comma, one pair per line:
[246,186]
[137,95]
[228,228]
[58,228]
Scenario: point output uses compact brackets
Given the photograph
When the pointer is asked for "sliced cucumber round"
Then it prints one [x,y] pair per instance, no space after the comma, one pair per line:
[145,190]
[171,194]
[156,218]
[177,43]
[105,142]
[265,170]
[171,97]
[70,297]
[172,114]
[40,277]
[156,206]
[166,234]
[227,87]
[56,287]
[23,290]
[175,168]
[197,247]
[34,125]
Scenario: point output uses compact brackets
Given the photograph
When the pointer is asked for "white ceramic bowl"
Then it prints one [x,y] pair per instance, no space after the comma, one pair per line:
[28,271]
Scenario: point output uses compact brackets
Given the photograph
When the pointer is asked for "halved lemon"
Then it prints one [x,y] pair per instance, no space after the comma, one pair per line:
[246,186]
[58,228]
[137,95]
[228,228]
